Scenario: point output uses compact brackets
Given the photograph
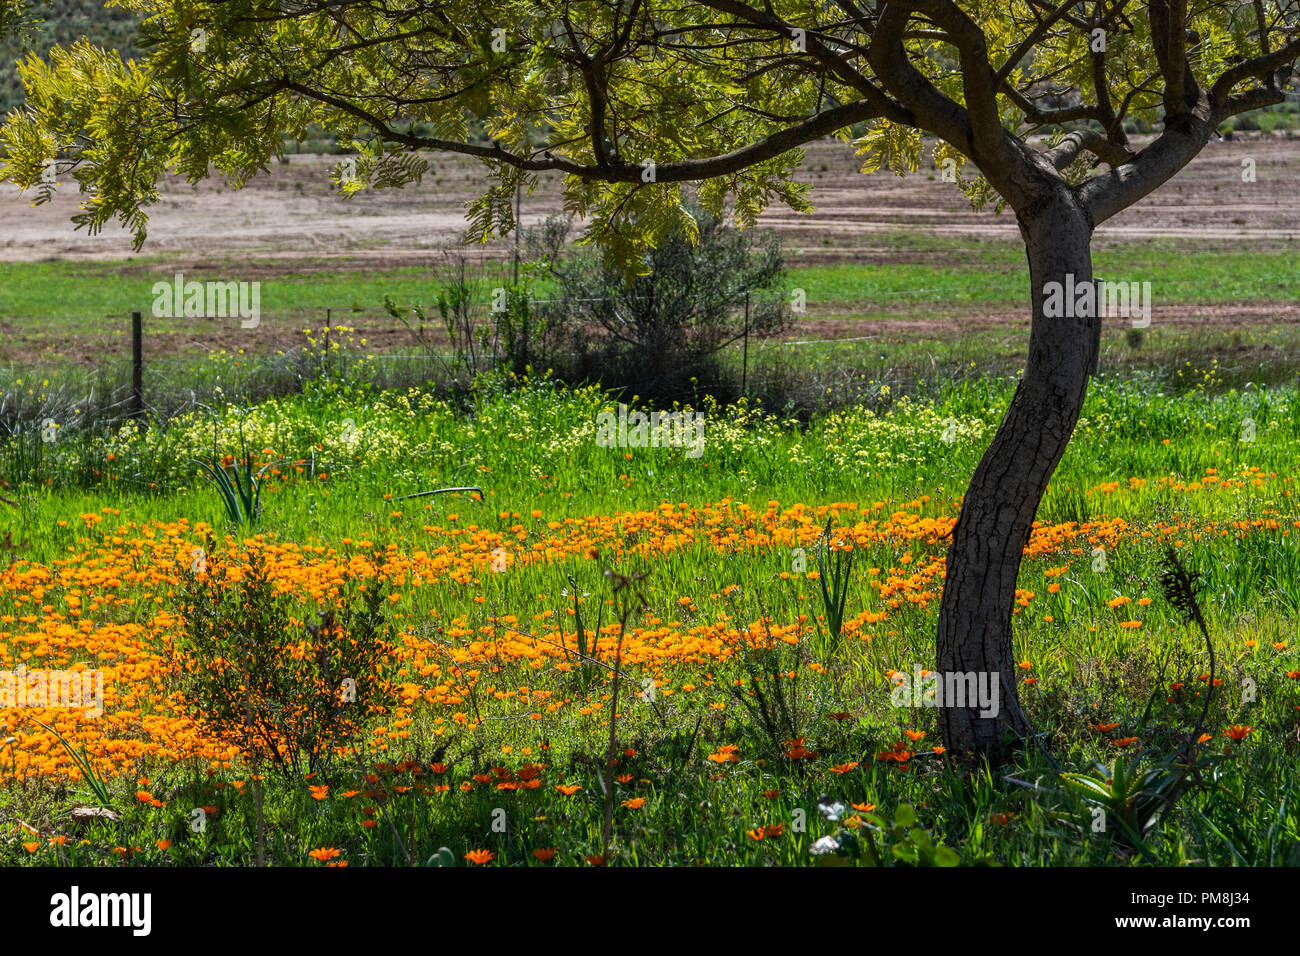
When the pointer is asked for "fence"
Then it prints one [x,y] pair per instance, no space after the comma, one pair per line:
[169,374]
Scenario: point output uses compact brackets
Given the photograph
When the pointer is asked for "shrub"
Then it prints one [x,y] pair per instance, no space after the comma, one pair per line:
[258,677]
[661,334]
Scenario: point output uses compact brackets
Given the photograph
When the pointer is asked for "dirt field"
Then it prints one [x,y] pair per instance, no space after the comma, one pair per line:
[292,212]
[290,221]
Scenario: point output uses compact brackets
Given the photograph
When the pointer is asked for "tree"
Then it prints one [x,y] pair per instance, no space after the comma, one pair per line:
[13,19]
[629,99]
[10,12]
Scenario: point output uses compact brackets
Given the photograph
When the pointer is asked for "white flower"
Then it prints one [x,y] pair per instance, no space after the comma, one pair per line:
[832,811]
[827,844]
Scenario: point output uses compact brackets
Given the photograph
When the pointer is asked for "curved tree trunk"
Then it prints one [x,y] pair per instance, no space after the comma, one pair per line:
[998,511]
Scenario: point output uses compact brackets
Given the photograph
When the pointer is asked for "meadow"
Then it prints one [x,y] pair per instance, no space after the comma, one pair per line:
[951,275]
[629,656]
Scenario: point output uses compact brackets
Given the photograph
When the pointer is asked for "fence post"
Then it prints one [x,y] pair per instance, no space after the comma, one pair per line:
[137,366]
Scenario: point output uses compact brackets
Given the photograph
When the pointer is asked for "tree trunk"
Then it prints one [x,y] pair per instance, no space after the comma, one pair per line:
[998,511]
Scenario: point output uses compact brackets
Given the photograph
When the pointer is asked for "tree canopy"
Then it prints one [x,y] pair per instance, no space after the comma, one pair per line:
[629,99]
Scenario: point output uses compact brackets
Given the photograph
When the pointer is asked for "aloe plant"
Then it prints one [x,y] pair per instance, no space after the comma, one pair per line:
[241,495]
[834,597]
[1134,795]
[98,785]
[586,655]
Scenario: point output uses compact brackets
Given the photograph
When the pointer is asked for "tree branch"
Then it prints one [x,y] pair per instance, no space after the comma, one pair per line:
[1067,151]
[782,141]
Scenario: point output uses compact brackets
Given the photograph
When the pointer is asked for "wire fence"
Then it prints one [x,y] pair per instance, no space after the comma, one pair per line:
[143,381]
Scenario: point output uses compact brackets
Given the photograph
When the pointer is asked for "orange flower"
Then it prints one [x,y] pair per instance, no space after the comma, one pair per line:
[324,853]
[767,832]
[795,750]
[164,845]
[727,754]
[568,789]
[636,803]
[897,754]
[1123,742]
[320,792]
[480,857]
[31,847]
[844,767]
[1238,732]
[864,807]
[597,860]
[545,855]
[1105,728]
[914,735]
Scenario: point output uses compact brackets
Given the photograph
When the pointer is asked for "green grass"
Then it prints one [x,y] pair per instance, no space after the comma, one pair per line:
[1142,456]
[80,295]
[997,276]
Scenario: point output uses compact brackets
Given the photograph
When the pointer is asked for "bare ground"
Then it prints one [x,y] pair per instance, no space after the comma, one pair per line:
[292,213]
[291,222]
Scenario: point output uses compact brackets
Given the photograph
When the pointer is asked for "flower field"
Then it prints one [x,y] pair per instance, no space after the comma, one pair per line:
[608,656]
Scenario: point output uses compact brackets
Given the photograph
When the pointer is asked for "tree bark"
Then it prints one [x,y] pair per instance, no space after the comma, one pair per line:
[997,514]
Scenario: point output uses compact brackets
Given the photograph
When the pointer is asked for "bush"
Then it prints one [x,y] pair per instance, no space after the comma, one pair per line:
[661,334]
[283,691]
